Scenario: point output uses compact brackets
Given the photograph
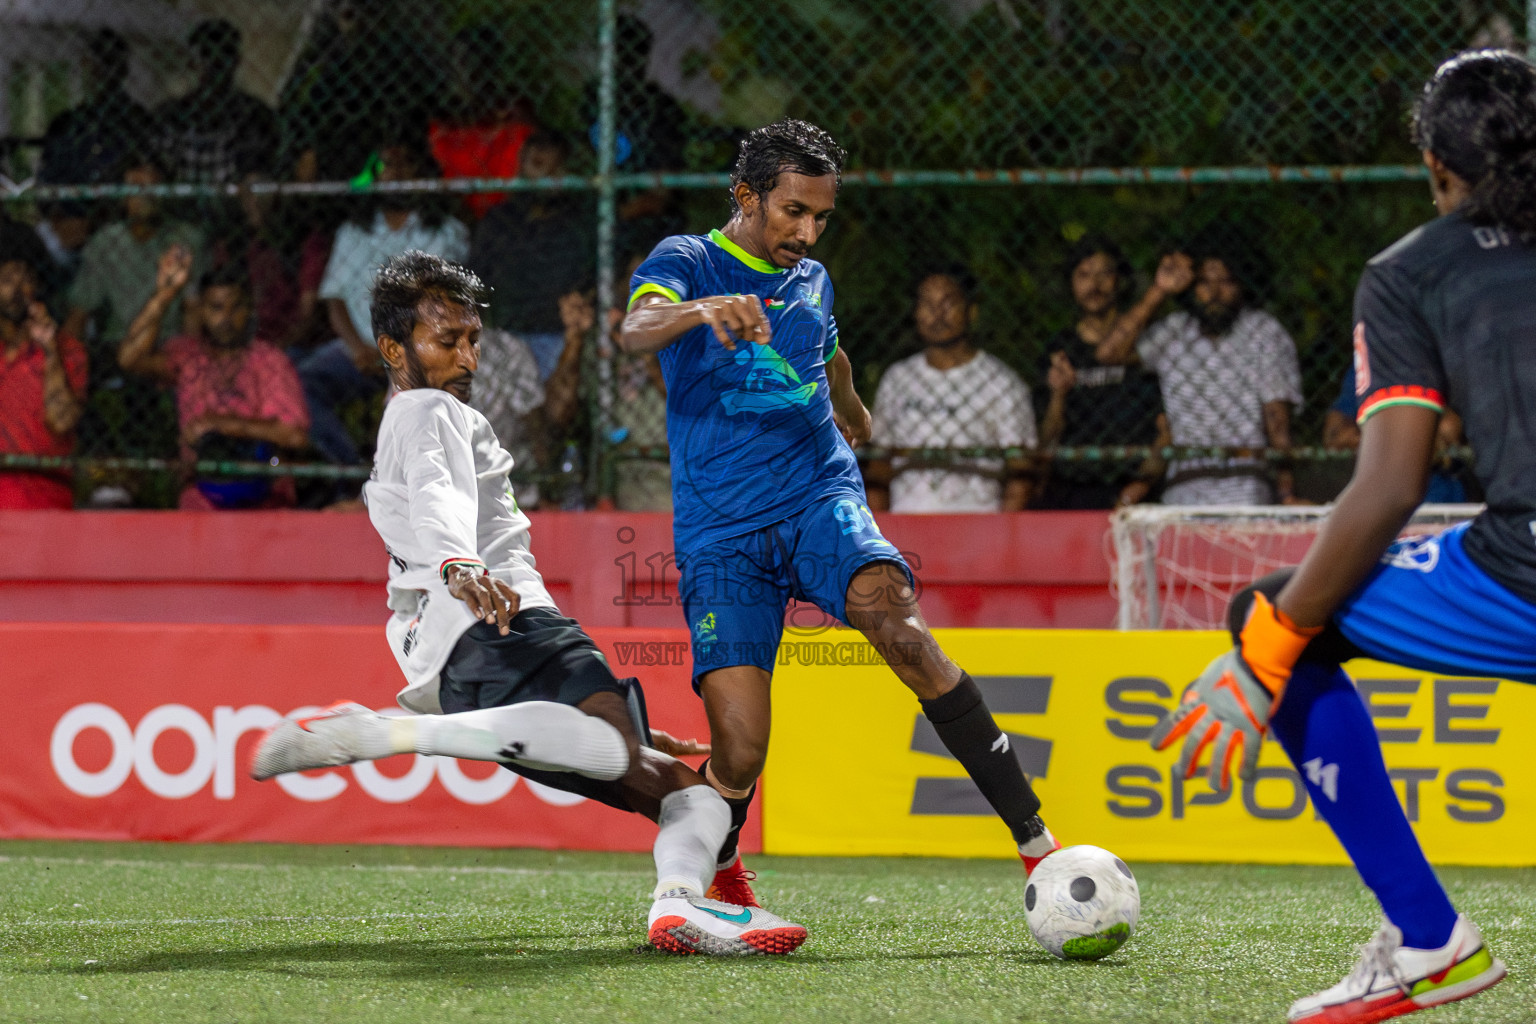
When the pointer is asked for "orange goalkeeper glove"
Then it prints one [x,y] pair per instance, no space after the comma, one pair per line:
[1229,706]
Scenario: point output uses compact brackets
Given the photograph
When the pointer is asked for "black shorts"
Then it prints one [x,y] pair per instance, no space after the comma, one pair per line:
[546,656]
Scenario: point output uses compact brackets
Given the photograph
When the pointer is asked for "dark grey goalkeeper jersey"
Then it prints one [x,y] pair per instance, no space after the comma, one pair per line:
[1446,318]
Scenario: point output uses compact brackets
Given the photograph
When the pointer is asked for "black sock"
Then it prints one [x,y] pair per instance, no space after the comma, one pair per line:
[964,723]
[738,806]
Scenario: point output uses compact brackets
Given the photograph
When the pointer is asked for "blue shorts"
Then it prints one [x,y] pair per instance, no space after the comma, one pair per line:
[1428,606]
[735,592]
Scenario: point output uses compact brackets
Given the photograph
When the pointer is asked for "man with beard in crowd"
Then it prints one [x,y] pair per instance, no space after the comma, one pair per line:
[1229,378]
[237,396]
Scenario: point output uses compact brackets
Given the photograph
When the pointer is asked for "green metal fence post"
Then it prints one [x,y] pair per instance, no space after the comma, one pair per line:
[606,215]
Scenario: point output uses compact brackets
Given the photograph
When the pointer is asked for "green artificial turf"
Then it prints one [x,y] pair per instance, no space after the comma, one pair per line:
[144,932]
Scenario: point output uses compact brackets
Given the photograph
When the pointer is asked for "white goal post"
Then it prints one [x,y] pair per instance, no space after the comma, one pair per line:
[1178,566]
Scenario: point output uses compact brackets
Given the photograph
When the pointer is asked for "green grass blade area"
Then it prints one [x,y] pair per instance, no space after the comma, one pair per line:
[149,932]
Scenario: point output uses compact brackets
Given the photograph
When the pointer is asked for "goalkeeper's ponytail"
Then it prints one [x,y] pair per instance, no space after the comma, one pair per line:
[1478,115]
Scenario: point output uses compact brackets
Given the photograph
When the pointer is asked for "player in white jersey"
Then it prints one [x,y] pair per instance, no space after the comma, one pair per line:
[493,671]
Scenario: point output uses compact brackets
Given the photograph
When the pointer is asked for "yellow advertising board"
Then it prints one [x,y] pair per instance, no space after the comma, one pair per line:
[856,769]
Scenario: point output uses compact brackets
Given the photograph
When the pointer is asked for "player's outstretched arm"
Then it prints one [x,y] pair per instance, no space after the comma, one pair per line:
[1228,708]
[1397,445]
[655,322]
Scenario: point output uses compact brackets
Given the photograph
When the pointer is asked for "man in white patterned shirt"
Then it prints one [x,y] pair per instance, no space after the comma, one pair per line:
[950,395]
[1229,379]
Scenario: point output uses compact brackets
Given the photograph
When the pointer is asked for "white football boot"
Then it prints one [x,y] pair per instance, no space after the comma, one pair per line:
[1393,979]
[341,734]
[681,922]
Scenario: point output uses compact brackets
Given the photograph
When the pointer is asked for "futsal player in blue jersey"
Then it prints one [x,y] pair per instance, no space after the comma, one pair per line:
[767,497]
[1444,318]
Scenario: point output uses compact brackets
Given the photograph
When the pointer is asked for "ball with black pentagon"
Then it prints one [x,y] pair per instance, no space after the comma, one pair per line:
[1082,903]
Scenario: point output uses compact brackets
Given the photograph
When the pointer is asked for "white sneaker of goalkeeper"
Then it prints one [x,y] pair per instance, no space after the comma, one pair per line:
[1393,979]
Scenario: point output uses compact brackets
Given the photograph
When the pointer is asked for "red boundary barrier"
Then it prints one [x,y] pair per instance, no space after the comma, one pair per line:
[607,569]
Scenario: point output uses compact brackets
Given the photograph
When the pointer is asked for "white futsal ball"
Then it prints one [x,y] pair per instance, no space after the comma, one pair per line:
[1082,903]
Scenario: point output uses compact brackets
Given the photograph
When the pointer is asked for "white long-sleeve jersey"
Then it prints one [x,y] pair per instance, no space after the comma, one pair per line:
[439,496]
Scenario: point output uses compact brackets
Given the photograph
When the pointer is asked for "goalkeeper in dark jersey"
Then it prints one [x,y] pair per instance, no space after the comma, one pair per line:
[761,413]
[1445,318]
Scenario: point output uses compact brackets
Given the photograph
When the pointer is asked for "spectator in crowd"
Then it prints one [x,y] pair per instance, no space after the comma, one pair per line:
[283,244]
[641,481]
[348,368]
[950,395]
[1447,480]
[42,379]
[89,144]
[237,396]
[534,248]
[508,392]
[526,412]
[303,228]
[270,268]
[1090,403]
[117,274]
[367,67]
[489,123]
[63,228]
[650,137]
[1229,379]
[216,133]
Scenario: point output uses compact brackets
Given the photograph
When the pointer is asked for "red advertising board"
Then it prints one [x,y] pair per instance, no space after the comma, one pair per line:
[142,731]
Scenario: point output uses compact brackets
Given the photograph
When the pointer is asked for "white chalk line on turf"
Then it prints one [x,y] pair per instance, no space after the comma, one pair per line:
[469,869]
[150,922]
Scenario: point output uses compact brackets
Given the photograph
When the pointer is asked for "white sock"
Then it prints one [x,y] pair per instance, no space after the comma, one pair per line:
[537,734]
[1039,846]
[693,823]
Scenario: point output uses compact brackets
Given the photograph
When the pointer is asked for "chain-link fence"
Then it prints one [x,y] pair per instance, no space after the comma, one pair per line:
[1017,171]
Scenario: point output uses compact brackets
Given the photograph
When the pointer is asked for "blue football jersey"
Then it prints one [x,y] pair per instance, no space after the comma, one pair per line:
[751,431]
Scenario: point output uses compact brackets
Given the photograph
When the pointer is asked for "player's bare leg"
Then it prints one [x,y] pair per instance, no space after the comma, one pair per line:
[882,604]
[739,707]
[693,821]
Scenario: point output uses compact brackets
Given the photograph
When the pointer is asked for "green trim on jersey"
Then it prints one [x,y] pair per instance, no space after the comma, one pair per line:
[650,288]
[1387,403]
[833,354]
[761,266]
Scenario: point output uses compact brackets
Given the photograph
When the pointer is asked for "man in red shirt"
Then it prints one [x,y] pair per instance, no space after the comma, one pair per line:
[237,396]
[42,380]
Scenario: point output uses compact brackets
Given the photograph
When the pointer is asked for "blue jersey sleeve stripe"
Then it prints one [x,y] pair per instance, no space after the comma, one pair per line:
[652,288]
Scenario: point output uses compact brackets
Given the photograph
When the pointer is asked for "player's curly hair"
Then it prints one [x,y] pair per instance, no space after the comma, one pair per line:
[407,279]
[787,145]
[1478,115]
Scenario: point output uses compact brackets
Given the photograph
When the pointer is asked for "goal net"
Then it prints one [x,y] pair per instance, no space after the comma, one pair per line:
[1177,567]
